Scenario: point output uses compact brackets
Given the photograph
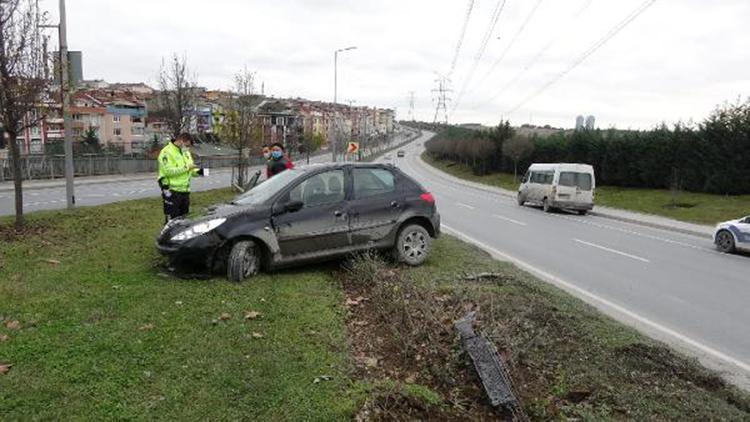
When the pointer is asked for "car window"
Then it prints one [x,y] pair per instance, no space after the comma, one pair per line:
[525,177]
[575,179]
[267,189]
[542,177]
[323,188]
[372,182]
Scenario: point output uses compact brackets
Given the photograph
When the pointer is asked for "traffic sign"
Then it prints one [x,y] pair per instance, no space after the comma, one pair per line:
[352,148]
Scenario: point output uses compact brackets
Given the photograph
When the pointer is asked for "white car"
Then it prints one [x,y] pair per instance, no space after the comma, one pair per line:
[733,235]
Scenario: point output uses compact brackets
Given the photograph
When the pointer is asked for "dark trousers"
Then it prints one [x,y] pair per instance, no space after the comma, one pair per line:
[176,204]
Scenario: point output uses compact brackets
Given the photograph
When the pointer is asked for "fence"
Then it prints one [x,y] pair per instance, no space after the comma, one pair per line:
[52,167]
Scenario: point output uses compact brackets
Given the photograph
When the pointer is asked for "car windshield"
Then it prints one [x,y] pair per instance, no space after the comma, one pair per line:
[267,189]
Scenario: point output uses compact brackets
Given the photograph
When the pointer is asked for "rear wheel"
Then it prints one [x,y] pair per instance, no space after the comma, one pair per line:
[546,206]
[412,245]
[582,212]
[243,261]
[725,241]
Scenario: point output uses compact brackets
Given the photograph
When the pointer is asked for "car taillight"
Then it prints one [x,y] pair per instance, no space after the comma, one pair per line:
[427,197]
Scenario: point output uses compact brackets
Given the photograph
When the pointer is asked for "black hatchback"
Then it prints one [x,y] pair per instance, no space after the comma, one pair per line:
[308,214]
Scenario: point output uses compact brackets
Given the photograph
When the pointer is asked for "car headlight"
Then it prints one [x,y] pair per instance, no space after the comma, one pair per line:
[198,229]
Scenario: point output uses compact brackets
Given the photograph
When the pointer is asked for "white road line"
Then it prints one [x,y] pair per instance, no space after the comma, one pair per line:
[615,251]
[510,220]
[461,204]
[602,302]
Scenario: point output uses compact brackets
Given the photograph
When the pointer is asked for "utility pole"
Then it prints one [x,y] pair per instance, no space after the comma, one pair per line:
[335,97]
[65,105]
[443,88]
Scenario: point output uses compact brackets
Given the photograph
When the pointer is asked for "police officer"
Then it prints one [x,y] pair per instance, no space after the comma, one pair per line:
[176,168]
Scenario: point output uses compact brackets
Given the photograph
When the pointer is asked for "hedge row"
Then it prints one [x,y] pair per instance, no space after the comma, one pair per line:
[713,156]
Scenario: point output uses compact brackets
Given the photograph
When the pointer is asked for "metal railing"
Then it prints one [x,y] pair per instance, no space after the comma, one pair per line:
[53,167]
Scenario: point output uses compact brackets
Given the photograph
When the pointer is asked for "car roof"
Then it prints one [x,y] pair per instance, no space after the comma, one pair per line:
[323,166]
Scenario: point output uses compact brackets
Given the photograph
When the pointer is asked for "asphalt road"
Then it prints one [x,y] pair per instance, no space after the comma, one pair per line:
[673,286]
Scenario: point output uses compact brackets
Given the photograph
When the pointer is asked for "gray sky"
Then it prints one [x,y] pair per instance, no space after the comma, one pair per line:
[677,61]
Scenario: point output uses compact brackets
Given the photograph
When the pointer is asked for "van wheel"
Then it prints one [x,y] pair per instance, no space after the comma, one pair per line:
[520,200]
[725,242]
[546,206]
[582,212]
[244,261]
[412,245]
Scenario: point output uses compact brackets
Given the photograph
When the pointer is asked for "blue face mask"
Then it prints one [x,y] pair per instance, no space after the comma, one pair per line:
[277,154]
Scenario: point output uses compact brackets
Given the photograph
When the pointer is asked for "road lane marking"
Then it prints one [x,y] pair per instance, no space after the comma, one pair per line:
[602,302]
[615,251]
[510,220]
[461,204]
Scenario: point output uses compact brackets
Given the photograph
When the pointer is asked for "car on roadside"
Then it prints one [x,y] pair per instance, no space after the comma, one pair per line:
[308,214]
[401,154]
[733,235]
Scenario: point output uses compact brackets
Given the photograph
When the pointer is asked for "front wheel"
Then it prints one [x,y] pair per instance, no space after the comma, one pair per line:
[520,200]
[412,245]
[546,206]
[582,212]
[243,261]
[725,242]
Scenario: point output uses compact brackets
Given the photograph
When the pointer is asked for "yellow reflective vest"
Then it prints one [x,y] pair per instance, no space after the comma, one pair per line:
[173,168]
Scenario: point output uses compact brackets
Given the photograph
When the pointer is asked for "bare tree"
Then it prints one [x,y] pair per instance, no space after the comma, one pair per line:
[239,127]
[177,94]
[23,79]
[517,148]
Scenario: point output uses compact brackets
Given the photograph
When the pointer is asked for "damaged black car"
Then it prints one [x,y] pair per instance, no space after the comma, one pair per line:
[305,215]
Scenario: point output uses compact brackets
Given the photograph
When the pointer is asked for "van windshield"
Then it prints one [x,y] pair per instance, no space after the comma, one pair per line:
[575,179]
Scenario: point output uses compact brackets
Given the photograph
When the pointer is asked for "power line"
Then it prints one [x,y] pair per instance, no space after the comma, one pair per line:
[536,57]
[461,37]
[591,50]
[512,41]
[482,47]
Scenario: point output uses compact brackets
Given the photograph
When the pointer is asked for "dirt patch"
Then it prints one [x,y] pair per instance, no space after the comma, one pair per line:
[9,233]
[403,333]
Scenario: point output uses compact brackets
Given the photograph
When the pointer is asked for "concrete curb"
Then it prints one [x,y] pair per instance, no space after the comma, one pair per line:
[634,219]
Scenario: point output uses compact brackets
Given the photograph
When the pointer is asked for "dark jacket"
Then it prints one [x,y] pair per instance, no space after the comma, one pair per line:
[274,167]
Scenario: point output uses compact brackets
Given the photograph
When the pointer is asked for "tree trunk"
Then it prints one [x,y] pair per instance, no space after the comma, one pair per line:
[15,162]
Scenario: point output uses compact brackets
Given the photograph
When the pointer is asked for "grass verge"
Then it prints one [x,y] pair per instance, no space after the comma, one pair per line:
[567,360]
[104,334]
[700,208]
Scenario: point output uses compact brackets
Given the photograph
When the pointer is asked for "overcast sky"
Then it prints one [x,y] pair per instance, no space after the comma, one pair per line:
[676,61]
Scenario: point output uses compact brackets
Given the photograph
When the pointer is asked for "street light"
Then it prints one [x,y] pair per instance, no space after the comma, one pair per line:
[335,94]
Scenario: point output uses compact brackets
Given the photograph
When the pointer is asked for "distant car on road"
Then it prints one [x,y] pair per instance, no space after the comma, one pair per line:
[733,235]
[400,153]
[308,214]
[562,185]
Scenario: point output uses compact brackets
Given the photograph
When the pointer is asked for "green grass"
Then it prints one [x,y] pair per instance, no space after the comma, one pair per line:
[700,208]
[83,351]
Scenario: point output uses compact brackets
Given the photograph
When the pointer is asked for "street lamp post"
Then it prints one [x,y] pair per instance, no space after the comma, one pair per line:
[335,96]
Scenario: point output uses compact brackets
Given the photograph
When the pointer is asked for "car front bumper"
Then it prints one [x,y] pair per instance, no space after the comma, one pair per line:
[198,251]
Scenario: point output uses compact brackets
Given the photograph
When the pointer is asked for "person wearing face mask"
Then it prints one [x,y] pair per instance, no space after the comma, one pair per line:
[176,169]
[279,162]
[266,152]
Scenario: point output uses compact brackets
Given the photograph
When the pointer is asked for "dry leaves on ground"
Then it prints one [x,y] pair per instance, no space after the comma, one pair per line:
[252,314]
[146,327]
[13,325]
[257,335]
[5,367]
[225,316]
[3,338]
